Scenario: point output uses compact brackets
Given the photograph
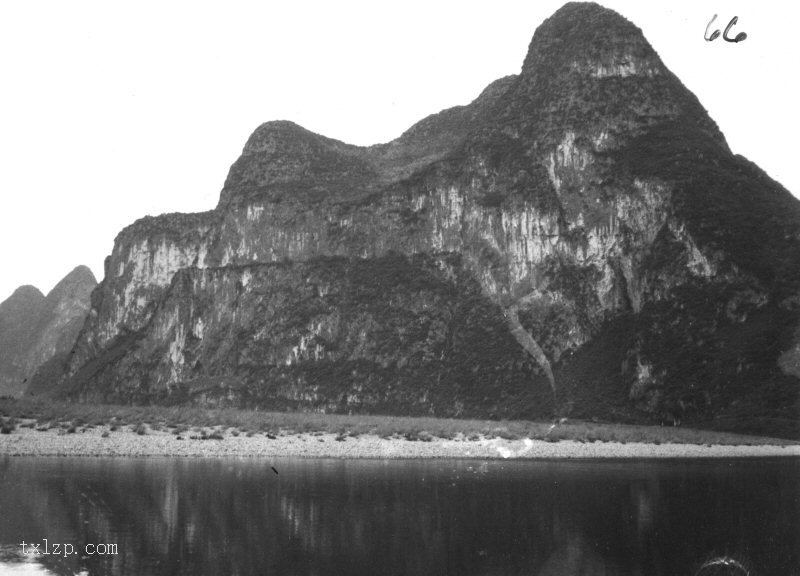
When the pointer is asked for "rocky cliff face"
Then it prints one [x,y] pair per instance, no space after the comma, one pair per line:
[34,329]
[578,239]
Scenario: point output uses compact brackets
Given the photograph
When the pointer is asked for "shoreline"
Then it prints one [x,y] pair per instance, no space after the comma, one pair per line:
[28,442]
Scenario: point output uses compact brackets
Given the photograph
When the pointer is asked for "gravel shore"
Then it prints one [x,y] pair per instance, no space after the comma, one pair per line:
[123,442]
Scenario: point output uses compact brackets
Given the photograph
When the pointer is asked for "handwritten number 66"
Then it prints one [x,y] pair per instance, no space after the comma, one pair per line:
[739,37]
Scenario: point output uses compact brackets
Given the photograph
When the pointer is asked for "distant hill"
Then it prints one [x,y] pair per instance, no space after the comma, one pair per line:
[34,328]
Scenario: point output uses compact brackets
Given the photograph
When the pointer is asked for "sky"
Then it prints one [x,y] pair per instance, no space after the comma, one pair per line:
[111,111]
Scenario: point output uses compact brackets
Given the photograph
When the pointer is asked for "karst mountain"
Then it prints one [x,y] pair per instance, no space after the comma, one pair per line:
[579,241]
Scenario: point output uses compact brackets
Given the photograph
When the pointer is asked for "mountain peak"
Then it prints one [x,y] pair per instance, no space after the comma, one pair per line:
[20,303]
[282,159]
[591,40]
[275,133]
[78,283]
[590,71]
[27,292]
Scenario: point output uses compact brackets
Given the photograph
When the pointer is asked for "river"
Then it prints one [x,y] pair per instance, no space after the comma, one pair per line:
[170,516]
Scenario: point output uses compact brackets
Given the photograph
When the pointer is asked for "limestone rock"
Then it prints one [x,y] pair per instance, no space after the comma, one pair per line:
[591,195]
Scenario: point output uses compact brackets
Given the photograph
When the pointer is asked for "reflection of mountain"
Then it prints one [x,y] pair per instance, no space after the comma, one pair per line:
[338,517]
[577,556]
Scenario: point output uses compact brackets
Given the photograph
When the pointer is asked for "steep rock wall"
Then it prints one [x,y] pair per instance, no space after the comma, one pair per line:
[146,256]
[333,334]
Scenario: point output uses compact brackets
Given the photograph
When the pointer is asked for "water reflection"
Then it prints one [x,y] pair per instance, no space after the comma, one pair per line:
[174,516]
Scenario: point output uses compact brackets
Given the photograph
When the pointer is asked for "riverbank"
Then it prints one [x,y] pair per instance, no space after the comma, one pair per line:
[100,441]
[43,414]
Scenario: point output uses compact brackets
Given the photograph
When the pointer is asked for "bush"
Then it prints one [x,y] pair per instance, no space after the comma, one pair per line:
[424,436]
[506,434]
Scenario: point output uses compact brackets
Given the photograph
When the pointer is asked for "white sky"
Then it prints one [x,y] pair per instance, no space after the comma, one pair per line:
[110,111]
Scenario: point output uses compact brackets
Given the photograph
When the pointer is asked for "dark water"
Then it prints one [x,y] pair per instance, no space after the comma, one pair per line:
[330,517]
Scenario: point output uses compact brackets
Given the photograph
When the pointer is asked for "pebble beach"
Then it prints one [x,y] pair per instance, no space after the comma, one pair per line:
[100,442]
